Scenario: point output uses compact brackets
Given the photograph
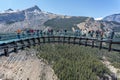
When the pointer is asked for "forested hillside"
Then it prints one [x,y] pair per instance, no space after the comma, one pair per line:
[73,62]
[65,23]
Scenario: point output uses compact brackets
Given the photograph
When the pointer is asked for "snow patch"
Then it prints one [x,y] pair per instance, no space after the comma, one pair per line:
[99,18]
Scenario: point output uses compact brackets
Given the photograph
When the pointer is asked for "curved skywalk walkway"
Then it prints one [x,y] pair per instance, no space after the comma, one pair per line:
[14,42]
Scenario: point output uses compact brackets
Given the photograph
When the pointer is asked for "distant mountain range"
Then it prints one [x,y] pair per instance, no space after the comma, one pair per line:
[114,17]
[35,18]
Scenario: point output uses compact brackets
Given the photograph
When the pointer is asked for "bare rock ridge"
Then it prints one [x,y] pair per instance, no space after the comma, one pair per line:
[33,8]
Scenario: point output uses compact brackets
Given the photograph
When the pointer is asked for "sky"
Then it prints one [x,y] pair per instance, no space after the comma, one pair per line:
[90,8]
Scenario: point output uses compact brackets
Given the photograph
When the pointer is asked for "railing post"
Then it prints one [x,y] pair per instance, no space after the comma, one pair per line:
[34,42]
[23,45]
[15,47]
[100,44]
[80,41]
[92,43]
[63,39]
[6,51]
[43,39]
[74,40]
[53,39]
[48,39]
[86,41]
[29,43]
[58,39]
[69,40]
[38,40]
[110,45]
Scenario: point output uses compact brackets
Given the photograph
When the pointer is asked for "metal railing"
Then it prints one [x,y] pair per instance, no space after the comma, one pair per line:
[20,41]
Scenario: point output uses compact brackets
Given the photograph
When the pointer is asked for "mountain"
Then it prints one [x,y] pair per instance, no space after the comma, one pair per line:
[8,10]
[29,18]
[114,17]
[10,16]
[35,18]
[33,8]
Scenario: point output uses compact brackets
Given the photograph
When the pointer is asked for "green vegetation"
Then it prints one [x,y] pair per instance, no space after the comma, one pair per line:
[64,23]
[73,62]
[113,57]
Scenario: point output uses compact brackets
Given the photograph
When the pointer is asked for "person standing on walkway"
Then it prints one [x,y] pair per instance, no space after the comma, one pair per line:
[101,34]
[65,31]
[97,34]
[18,33]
